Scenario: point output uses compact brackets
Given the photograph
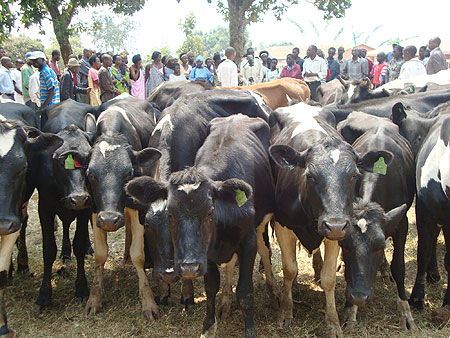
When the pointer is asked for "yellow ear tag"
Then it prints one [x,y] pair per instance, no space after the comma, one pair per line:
[69,162]
[240,197]
[380,167]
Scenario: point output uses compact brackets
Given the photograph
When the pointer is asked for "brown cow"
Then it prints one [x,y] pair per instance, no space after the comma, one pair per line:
[281,92]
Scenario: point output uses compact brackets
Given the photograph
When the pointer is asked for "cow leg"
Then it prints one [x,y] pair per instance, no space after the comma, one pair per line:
[264,252]
[328,282]
[149,306]
[224,309]
[66,249]
[446,231]
[94,302]
[244,290]
[350,315]
[126,253]
[385,271]
[79,249]
[187,293]
[22,256]
[398,273]
[164,294]
[6,250]
[287,241]
[317,264]
[47,218]
[212,284]
[433,275]
[89,248]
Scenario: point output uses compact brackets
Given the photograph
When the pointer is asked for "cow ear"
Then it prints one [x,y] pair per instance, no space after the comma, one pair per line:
[32,132]
[261,130]
[90,126]
[145,190]
[147,157]
[393,218]
[46,141]
[367,163]
[233,189]
[287,157]
[398,113]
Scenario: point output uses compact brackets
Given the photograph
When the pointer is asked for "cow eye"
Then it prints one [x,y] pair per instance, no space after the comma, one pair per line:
[309,177]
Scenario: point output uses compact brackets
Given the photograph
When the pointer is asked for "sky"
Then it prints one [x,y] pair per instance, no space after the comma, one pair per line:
[158,23]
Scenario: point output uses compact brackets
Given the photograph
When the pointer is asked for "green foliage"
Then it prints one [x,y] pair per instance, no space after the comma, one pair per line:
[111,33]
[193,42]
[17,46]
[165,50]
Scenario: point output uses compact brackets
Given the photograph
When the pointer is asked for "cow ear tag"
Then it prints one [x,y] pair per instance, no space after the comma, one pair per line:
[240,197]
[69,162]
[380,167]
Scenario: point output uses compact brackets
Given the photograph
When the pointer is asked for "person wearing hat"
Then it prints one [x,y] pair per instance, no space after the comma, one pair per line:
[49,87]
[26,71]
[201,73]
[68,87]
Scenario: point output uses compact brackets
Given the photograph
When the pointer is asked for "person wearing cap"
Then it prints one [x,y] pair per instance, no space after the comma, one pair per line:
[49,88]
[201,73]
[16,76]
[7,86]
[26,71]
[68,87]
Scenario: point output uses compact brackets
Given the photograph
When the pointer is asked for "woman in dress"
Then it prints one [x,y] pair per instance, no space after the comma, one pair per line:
[177,76]
[395,64]
[123,81]
[94,94]
[154,73]
[137,78]
[185,67]
[201,73]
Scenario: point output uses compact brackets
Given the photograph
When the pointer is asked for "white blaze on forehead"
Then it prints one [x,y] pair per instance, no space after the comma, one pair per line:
[335,155]
[105,146]
[434,163]
[7,141]
[165,120]
[362,224]
[187,188]
[158,205]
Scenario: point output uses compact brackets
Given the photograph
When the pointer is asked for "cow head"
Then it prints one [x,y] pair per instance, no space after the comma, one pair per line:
[70,163]
[327,173]
[363,248]
[359,90]
[112,164]
[15,150]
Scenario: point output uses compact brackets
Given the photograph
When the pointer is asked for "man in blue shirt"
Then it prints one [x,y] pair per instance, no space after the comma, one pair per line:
[48,80]
[201,73]
[7,87]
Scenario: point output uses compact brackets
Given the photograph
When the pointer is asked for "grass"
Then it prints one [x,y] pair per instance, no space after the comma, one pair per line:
[121,315]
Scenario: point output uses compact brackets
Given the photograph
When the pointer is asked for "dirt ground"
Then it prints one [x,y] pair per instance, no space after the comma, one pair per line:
[121,315]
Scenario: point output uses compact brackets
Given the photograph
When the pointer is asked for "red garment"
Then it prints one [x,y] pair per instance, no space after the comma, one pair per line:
[378,72]
[328,73]
[75,79]
[370,64]
[295,72]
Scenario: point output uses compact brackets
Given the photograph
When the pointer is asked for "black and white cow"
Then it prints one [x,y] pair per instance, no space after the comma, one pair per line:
[60,177]
[315,181]
[430,140]
[391,186]
[119,154]
[215,207]
[16,187]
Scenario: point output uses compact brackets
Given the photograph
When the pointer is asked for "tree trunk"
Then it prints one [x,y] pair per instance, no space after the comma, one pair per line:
[61,24]
[238,22]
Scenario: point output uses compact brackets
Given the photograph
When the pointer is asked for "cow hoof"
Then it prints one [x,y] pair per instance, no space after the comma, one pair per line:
[284,322]
[350,325]
[406,318]
[416,304]
[151,314]
[433,277]
[90,250]
[44,301]
[93,306]
[164,301]
[81,291]
[334,331]
[63,272]
[25,269]
[211,332]
[224,309]
[187,302]
[10,334]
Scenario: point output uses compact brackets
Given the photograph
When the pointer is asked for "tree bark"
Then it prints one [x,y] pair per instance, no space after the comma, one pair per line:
[61,24]
[237,25]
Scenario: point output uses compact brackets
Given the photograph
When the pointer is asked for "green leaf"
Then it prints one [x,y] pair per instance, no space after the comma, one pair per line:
[380,167]
[241,198]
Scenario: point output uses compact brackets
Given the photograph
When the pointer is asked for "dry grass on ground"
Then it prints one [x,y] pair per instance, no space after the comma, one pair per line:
[121,316]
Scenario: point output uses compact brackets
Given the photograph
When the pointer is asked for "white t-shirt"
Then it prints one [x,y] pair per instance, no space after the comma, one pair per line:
[317,66]
[412,68]
[227,73]
[16,76]
[177,78]
[34,88]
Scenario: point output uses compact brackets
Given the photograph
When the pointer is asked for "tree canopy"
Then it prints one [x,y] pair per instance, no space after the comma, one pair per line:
[18,46]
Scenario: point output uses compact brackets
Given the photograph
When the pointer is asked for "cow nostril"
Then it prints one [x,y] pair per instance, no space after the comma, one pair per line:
[73,201]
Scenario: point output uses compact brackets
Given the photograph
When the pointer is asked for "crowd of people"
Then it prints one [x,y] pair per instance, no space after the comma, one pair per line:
[95,78]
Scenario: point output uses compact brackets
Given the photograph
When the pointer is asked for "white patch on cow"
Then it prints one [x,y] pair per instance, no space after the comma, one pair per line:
[433,163]
[351,91]
[114,110]
[158,205]
[187,188]
[7,142]
[260,102]
[335,155]
[362,224]
[2,118]
[105,146]
[161,124]
[307,124]
[288,99]
[444,169]
[169,270]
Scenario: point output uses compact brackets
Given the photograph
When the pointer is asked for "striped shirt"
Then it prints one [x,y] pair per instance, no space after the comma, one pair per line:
[48,81]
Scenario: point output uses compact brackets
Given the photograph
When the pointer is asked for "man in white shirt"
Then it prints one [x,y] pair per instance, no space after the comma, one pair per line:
[34,90]
[412,66]
[251,69]
[16,76]
[314,70]
[227,70]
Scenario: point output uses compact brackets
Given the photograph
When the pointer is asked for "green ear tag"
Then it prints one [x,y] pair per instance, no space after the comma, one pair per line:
[69,163]
[240,197]
[380,167]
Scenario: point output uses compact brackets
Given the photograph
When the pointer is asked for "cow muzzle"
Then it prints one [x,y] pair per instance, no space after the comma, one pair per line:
[358,298]
[9,226]
[334,229]
[190,270]
[110,221]
[78,202]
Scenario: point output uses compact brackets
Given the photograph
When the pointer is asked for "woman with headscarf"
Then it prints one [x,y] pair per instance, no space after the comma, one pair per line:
[154,73]
[137,78]
[185,67]
[123,81]
[201,73]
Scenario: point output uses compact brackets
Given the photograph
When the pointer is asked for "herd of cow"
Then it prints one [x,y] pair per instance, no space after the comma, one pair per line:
[197,175]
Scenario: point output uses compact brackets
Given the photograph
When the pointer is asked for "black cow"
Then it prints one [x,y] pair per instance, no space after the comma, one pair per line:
[126,100]
[61,183]
[430,139]
[168,92]
[315,180]
[213,213]
[118,155]
[179,134]
[16,187]
[18,112]
[391,186]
